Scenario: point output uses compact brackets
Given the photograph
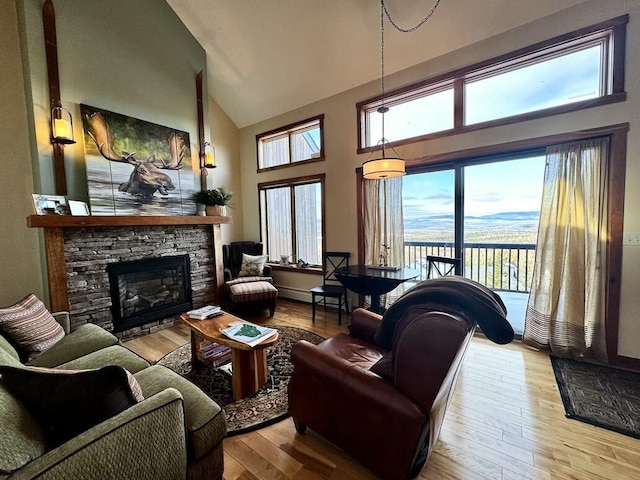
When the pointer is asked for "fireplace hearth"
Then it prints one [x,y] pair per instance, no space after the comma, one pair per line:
[143,291]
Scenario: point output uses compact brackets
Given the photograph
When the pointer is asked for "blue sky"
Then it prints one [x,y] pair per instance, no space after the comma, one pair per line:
[507,186]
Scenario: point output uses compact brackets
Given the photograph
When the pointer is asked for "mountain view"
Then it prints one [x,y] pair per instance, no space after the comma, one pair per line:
[504,227]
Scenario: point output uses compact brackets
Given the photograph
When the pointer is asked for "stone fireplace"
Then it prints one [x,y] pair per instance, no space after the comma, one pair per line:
[81,250]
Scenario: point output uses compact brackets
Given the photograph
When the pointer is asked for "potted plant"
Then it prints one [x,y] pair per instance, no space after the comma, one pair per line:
[215,200]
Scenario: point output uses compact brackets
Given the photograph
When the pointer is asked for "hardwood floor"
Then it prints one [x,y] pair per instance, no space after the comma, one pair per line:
[506,421]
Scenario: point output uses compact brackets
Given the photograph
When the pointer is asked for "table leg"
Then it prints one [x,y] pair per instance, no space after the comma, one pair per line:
[376,306]
[194,357]
[249,372]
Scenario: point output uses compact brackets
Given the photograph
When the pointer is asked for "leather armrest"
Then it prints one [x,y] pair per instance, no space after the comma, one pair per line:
[364,324]
[362,389]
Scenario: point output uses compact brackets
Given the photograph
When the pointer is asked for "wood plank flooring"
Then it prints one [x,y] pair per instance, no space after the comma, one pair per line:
[506,422]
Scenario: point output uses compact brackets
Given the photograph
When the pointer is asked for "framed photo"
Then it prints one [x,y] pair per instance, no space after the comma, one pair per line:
[78,208]
[50,204]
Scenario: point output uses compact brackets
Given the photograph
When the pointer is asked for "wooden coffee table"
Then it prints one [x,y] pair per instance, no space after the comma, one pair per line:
[249,364]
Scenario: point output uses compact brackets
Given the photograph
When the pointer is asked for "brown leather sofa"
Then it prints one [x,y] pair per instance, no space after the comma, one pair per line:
[380,393]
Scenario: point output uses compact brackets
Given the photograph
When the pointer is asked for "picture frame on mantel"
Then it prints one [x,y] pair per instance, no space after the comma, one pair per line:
[136,167]
[50,204]
[78,208]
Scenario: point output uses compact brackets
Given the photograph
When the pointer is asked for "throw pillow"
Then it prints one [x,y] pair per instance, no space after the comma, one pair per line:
[252,265]
[29,324]
[384,367]
[68,402]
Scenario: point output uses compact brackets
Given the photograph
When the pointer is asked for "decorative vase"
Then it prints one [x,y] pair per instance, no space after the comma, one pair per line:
[217,210]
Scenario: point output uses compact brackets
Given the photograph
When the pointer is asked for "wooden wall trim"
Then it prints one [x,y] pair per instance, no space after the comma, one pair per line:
[56,271]
[615,208]
[51,53]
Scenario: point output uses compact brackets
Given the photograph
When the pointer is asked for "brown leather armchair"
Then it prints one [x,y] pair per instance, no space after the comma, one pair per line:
[380,393]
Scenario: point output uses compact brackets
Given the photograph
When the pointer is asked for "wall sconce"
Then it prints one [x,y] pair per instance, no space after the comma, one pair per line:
[209,156]
[61,126]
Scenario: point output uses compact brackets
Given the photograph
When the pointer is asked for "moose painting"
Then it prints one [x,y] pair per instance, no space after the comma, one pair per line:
[135,167]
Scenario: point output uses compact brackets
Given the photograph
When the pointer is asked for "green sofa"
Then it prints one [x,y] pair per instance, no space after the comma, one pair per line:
[175,432]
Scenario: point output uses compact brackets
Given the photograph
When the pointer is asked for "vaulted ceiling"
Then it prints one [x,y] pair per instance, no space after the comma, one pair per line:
[267,57]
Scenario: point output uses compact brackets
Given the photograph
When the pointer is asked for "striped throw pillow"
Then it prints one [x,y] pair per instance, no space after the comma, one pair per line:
[29,324]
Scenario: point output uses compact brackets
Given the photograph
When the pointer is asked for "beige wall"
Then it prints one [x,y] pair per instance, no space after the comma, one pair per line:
[225,137]
[20,265]
[134,58]
[342,160]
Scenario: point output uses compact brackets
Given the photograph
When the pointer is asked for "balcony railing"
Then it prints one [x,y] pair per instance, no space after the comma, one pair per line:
[504,267]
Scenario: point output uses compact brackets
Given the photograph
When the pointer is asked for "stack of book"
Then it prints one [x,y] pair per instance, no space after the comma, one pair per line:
[208,311]
[214,354]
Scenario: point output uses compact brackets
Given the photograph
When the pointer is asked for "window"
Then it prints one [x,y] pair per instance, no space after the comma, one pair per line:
[426,111]
[578,70]
[569,77]
[295,143]
[292,219]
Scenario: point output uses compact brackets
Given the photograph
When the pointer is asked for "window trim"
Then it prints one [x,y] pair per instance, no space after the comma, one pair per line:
[615,66]
[288,130]
[293,182]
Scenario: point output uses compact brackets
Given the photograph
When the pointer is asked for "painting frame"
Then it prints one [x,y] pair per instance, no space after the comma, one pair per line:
[137,167]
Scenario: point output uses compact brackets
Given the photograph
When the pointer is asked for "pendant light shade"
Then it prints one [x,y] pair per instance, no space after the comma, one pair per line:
[379,168]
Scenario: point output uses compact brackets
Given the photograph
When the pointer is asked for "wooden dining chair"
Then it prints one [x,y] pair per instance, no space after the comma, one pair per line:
[331,286]
[442,266]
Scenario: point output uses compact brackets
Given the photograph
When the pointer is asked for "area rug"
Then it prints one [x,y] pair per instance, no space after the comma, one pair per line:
[269,404]
[602,396]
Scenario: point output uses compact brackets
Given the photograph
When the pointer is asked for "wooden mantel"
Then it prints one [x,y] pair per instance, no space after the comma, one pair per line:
[78,221]
[54,226]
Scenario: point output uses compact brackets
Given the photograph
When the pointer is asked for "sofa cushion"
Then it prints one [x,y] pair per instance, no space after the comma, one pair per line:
[22,439]
[252,265]
[29,324]
[83,340]
[206,423]
[252,291]
[75,400]
[114,355]
[8,354]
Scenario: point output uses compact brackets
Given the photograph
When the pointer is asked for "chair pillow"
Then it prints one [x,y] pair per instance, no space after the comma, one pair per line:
[68,402]
[29,324]
[385,367]
[252,265]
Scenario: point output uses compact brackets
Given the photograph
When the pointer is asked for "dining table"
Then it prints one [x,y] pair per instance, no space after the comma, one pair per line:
[374,281]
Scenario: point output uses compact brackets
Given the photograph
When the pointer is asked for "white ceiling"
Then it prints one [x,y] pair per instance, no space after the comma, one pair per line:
[267,57]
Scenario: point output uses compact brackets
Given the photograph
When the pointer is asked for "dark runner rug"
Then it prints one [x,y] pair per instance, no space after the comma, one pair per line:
[269,405]
[602,396]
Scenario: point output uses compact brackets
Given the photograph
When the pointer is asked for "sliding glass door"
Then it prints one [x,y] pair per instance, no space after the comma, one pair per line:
[429,209]
[484,211]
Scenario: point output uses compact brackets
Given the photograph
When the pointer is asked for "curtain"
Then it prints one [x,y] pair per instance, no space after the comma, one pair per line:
[374,221]
[565,311]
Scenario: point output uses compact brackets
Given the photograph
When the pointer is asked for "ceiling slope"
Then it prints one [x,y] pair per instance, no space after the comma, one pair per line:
[265,58]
